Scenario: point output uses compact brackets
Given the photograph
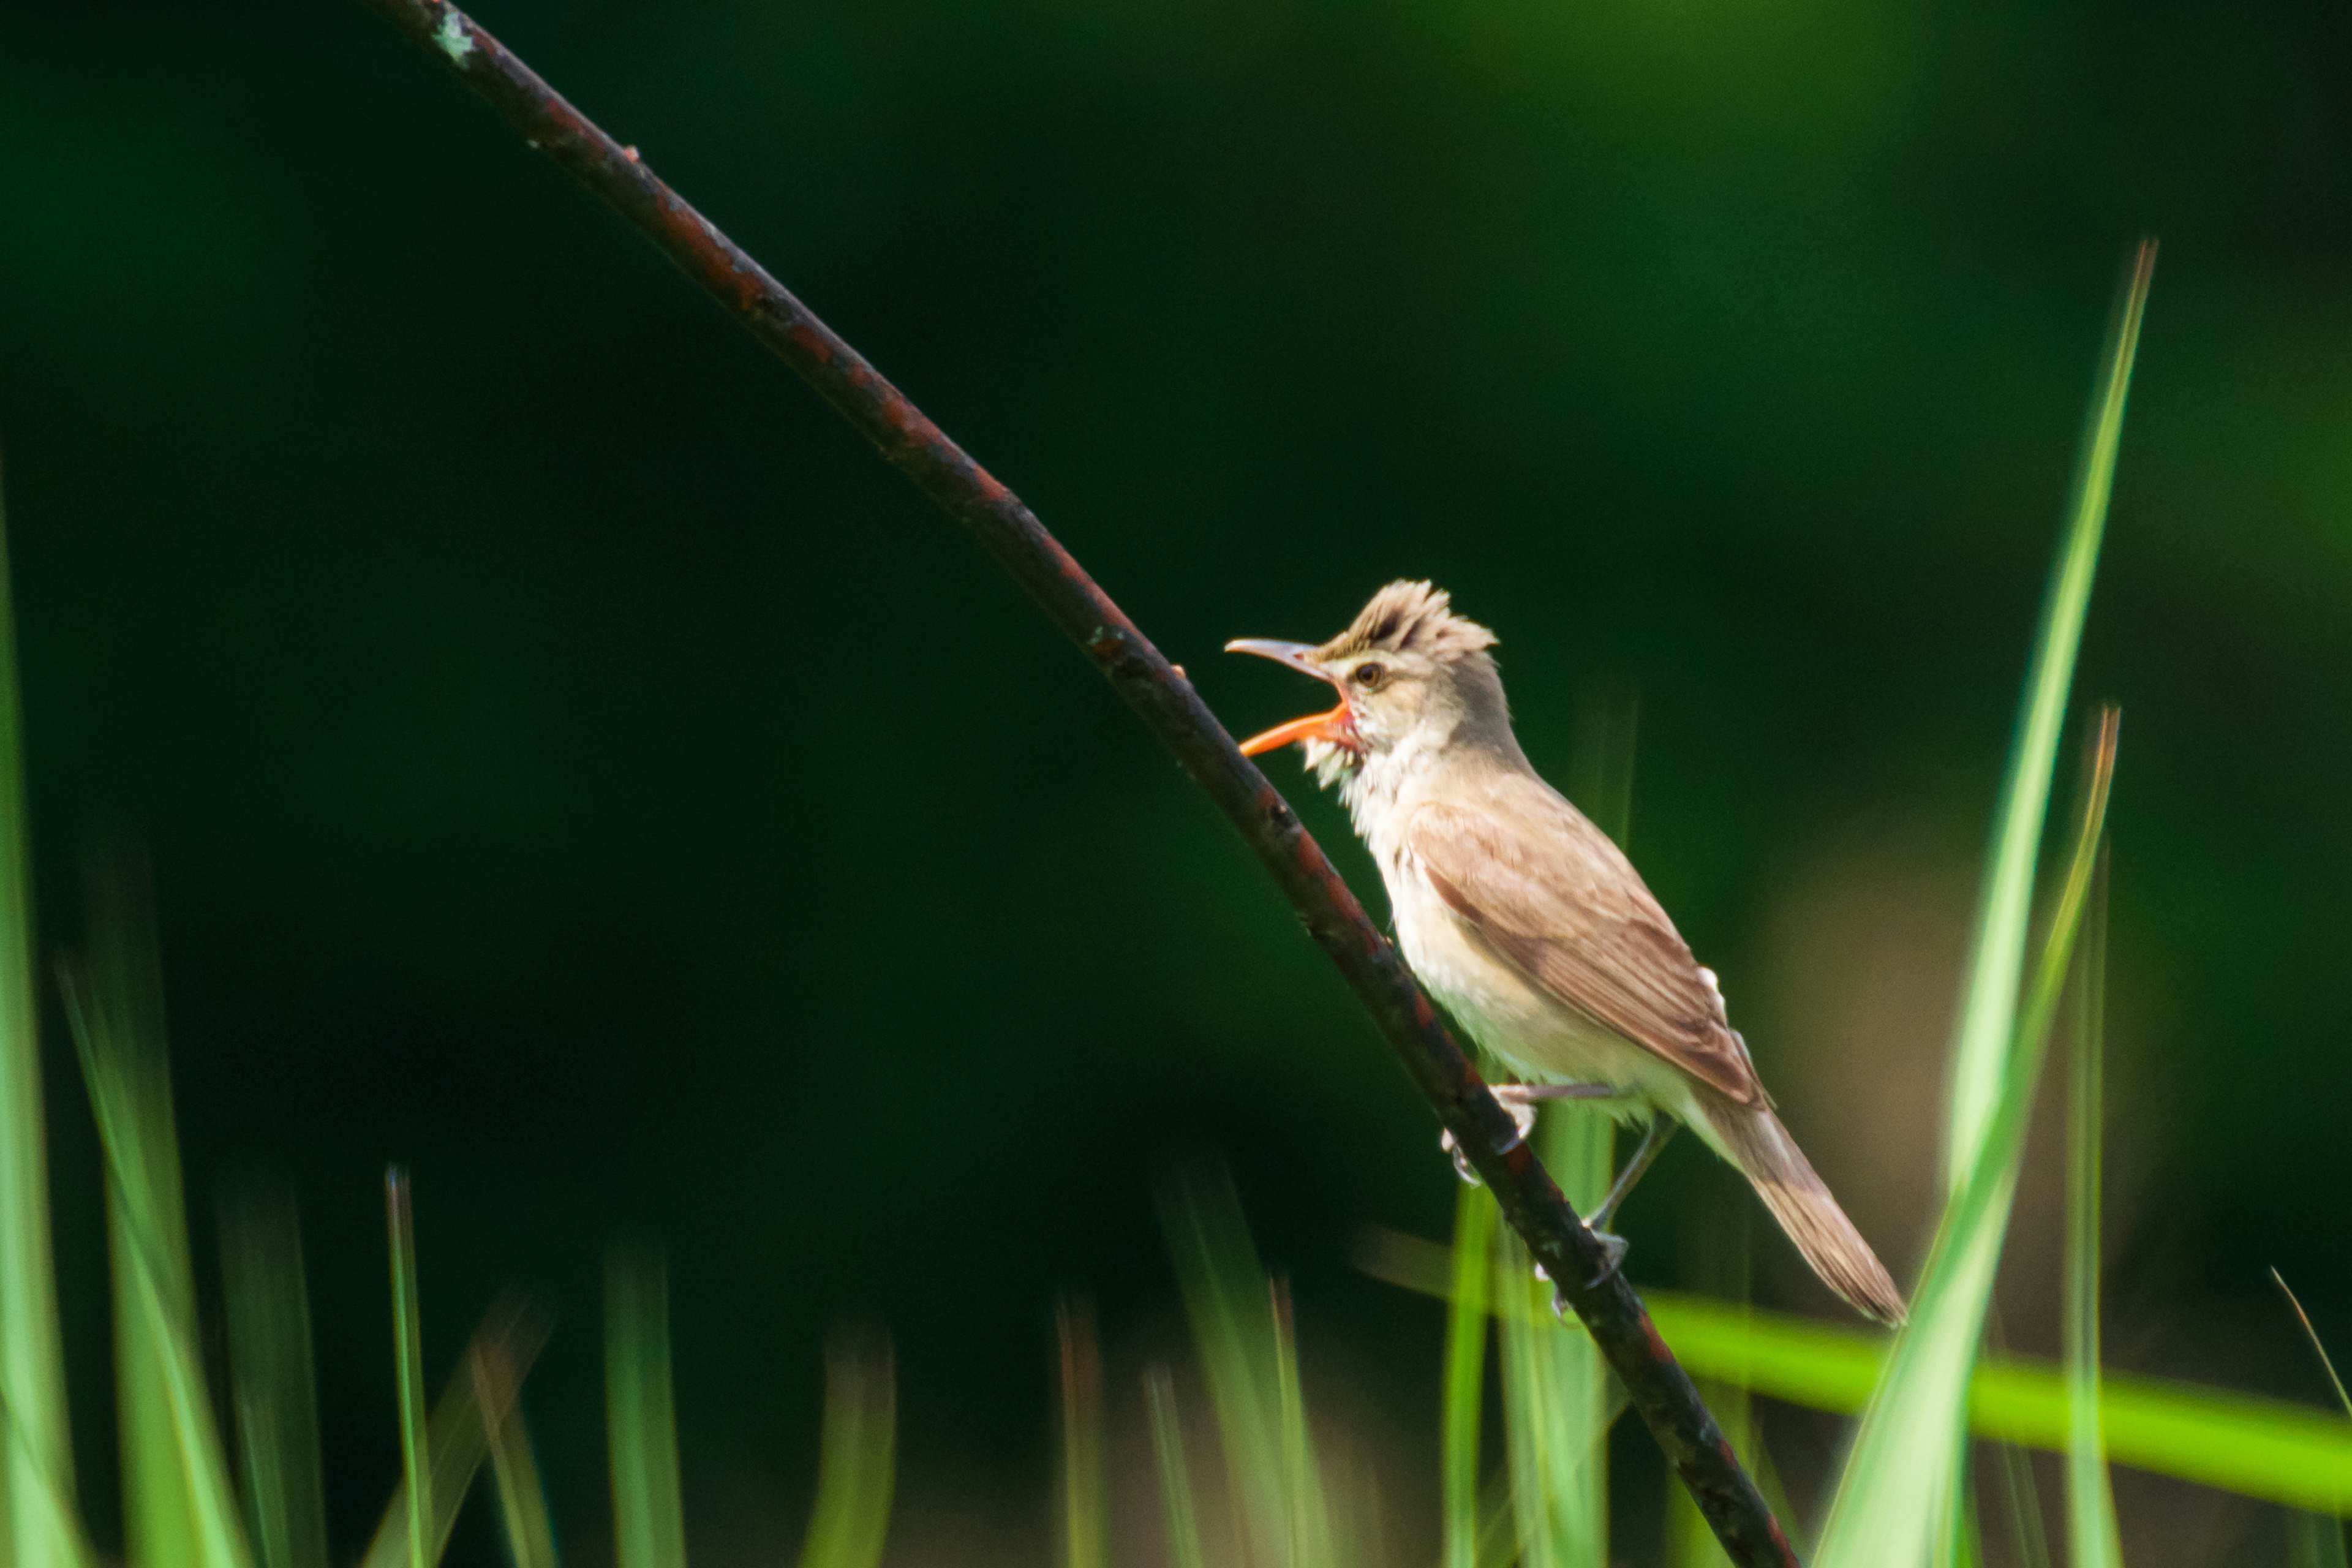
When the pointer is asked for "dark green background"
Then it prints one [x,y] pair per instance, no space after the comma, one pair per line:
[575,766]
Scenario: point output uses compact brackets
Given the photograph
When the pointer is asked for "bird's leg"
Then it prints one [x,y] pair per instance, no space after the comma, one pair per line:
[1654,1138]
[1522,1099]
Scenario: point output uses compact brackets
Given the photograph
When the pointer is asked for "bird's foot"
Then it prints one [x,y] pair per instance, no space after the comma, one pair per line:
[1612,1245]
[1522,1100]
[1523,1118]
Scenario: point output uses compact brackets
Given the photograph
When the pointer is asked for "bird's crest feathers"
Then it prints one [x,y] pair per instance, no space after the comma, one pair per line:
[1410,618]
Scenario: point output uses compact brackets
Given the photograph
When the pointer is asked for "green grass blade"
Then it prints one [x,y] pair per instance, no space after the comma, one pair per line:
[524,1515]
[1894,1500]
[1555,1387]
[1085,1522]
[2326,1364]
[2094,1540]
[114,999]
[179,1508]
[408,1368]
[273,1388]
[1253,1379]
[2242,1443]
[1466,1371]
[2263,1449]
[72,1545]
[858,1462]
[1312,1537]
[2314,1543]
[1997,956]
[1176,1500]
[36,1477]
[1600,757]
[1727,1261]
[457,1438]
[1555,1422]
[2029,1534]
[641,1421]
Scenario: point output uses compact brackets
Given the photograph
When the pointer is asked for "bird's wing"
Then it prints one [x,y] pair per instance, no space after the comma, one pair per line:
[1549,893]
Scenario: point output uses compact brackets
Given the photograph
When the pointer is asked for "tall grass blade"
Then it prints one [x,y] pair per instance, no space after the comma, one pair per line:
[273,1389]
[1897,1500]
[1085,1520]
[2257,1447]
[64,1520]
[37,1474]
[1996,957]
[457,1438]
[857,1464]
[1466,1370]
[1176,1499]
[2314,1543]
[1313,1539]
[1600,756]
[641,1420]
[1246,1354]
[408,1368]
[179,1508]
[2092,1538]
[1555,1385]
[2326,1364]
[1727,1259]
[522,1499]
[116,999]
[2029,1535]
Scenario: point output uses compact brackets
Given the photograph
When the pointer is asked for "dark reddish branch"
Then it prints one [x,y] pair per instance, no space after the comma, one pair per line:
[1166,701]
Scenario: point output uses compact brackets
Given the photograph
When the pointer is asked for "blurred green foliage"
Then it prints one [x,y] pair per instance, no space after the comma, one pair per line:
[575,768]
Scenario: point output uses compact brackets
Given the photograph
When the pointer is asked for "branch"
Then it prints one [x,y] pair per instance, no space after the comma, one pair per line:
[1659,1388]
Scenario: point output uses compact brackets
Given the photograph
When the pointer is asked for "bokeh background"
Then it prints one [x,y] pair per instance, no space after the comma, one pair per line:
[574,766]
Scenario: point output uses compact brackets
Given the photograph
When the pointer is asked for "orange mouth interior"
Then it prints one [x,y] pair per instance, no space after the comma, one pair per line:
[1338,727]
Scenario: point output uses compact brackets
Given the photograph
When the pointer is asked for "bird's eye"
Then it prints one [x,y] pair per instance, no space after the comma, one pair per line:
[1370,675]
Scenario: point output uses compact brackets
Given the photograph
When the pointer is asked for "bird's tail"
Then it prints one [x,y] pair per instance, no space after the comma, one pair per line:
[1752,1137]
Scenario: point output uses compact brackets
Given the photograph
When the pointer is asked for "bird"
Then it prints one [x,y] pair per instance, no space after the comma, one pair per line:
[1530,926]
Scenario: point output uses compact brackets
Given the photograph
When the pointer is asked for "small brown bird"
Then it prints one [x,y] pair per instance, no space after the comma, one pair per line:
[1531,926]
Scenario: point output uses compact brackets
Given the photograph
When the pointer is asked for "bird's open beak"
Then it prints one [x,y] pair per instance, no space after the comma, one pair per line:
[1338,727]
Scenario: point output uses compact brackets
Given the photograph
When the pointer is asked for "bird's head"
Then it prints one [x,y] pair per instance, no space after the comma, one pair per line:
[1411,675]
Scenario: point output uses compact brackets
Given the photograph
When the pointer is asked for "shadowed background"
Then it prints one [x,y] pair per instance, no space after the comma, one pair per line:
[575,766]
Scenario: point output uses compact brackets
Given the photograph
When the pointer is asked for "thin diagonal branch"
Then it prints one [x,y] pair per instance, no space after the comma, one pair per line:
[1695,1446]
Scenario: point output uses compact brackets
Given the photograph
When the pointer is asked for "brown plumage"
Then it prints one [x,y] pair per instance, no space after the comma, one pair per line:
[1526,921]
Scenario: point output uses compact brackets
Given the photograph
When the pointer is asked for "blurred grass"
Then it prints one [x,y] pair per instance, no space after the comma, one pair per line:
[179,1504]
[497,1378]
[1179,1508]
[457,1437]
[2242,1443]
[857,1464]
[1467,1327]
[408,1368]
[1900,1496]
[1086,1521]
[1986,1043]
[1240,1330]
[640,1416]
[273,1390]
[37,1473]
[2092,1538]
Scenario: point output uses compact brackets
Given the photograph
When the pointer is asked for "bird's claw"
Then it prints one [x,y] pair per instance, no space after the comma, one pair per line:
[1523,1117]
[1614,1245]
